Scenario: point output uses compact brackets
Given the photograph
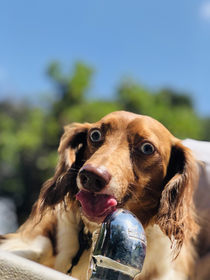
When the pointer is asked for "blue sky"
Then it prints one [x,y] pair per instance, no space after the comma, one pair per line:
[158,43]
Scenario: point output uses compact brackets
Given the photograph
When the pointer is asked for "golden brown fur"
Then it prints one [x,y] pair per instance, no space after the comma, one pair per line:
[158,188]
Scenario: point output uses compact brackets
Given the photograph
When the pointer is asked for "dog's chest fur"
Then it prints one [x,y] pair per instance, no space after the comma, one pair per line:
[68,228]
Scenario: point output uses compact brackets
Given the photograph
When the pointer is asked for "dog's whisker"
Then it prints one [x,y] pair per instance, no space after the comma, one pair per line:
[134,194]
[142,201]
[150,189]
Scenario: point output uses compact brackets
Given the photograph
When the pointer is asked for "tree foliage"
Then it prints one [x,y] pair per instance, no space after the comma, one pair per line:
[29,135]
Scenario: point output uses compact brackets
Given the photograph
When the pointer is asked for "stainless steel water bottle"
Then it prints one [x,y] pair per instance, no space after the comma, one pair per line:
[120,250]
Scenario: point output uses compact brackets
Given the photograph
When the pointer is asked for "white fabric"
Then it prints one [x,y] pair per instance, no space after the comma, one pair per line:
[13,267]
[201,151]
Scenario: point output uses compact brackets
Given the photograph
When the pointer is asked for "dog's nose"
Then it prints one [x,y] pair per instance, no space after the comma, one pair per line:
[94,179]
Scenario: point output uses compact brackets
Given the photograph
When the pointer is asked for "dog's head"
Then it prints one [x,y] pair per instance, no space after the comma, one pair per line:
[126,161]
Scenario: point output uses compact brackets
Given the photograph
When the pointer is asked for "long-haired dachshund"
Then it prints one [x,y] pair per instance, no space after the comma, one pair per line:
[126,161]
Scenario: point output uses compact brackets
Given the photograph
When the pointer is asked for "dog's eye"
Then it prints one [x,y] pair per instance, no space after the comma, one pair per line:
[147,148]
[95,135]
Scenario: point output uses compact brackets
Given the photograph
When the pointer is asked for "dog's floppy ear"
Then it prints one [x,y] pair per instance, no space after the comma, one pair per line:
[71,149]
[176,216]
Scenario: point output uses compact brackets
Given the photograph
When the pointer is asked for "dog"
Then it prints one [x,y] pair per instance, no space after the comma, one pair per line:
[126,161]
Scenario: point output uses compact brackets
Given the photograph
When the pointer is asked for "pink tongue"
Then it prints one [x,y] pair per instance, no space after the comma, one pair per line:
[95,205]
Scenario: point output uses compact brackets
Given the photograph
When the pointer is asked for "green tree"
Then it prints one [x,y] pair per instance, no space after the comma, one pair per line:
[206,128]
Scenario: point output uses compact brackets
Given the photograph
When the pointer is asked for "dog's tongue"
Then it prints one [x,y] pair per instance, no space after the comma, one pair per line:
[96,205]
